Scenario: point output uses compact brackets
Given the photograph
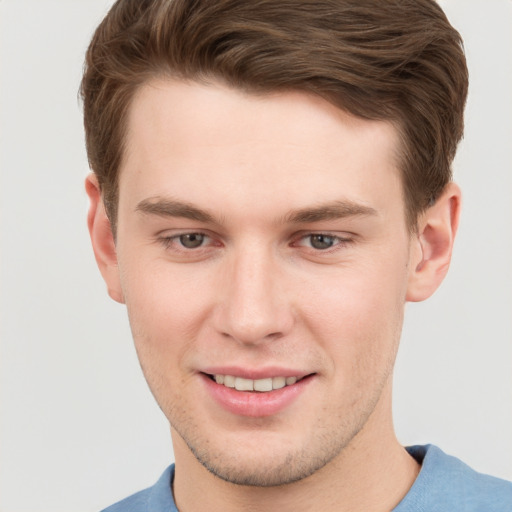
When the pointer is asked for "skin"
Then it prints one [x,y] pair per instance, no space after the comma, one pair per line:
[259,178]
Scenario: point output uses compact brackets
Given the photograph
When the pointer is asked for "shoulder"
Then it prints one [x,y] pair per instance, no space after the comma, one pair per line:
[445,483]
[157,498]
[135,503]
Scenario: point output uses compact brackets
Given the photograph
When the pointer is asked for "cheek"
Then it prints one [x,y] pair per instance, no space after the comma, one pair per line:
[358,317]
[165,318]
[166,309]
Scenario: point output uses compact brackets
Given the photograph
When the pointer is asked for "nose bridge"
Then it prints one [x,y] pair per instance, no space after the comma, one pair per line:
[254,307]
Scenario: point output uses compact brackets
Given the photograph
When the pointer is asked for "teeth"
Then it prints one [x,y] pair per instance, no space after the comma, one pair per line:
[244,384]
[229,381]
[278,382]
[261,385]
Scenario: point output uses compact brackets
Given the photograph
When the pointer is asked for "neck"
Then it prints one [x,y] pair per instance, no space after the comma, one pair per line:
[372,473]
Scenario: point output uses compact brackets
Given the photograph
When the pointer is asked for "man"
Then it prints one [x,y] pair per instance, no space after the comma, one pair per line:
[271,185]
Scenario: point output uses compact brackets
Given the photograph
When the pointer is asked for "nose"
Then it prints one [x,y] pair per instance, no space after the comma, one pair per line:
[254,306]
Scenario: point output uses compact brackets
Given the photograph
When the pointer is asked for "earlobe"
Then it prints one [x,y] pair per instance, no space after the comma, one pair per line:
[102,239]
[432,246]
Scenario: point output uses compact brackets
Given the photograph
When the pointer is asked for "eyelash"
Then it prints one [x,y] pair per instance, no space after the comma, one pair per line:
[338,242]
[168,241]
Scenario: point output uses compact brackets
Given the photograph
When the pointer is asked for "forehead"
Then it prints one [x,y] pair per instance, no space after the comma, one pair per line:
[163,105]
[211,143]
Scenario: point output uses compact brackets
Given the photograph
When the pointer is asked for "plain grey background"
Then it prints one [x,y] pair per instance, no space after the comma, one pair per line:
[78,426]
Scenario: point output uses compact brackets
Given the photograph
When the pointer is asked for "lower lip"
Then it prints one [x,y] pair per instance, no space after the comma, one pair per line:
[252,403]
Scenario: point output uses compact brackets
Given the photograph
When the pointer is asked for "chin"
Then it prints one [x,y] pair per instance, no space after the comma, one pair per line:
[267,473]
[267,460]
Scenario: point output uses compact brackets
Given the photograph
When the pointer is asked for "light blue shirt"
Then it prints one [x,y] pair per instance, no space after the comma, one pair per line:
[444,484]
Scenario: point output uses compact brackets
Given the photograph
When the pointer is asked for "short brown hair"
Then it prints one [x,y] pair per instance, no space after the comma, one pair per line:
[394,60]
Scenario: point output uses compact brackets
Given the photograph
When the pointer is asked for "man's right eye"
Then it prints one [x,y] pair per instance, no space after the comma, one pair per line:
[192,240]
[185,242]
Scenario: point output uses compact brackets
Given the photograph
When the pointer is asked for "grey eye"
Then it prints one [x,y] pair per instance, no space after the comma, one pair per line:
[192,240]
[322,241]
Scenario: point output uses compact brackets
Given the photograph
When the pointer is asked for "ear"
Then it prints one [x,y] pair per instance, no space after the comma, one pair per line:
[102,239]
[431,248]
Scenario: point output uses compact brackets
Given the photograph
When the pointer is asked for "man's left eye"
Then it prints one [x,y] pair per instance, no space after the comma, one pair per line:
[322,242]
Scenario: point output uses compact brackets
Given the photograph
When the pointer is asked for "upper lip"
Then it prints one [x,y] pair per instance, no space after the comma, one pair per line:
[255,373]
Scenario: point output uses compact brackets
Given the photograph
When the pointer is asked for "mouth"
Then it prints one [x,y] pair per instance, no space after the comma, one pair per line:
[258,385]
[261,397]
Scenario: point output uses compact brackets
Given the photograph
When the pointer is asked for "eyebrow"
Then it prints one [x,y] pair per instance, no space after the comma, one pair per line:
[168,207]
[163,207]
[329,211]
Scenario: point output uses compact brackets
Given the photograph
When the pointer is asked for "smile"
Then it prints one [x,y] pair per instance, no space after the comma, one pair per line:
[260,385]
[256,398]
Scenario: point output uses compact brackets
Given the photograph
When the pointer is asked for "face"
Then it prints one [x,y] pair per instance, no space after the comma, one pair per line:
[263,256]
